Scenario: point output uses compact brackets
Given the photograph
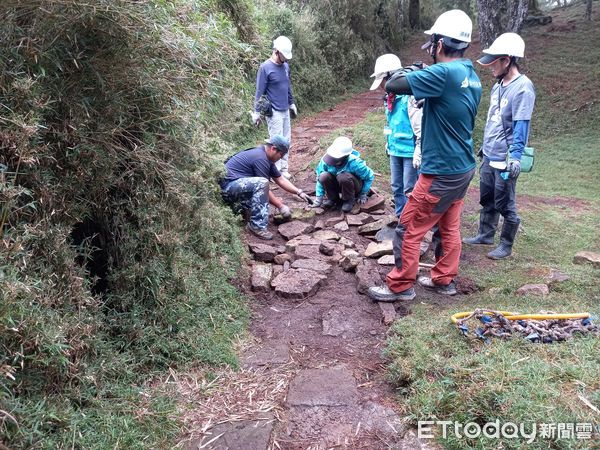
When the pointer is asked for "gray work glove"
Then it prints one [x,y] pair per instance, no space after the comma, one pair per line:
[514,168]
[255,118]
[416,162]
[362,199]
[318,201]
[304,196]
[285,211]
[293,110]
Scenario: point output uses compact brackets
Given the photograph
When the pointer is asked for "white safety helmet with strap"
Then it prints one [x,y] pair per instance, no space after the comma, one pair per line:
[383,66]
[507,44]
[455,24]
[284,46]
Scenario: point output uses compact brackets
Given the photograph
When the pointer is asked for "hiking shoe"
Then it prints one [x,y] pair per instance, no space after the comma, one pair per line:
[263,234]
[448,289]
[384,294]
[348,205]
[478,240]
[328,203]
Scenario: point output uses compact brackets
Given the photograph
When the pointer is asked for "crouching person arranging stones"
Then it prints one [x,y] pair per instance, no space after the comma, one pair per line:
[246,183]
[343,176]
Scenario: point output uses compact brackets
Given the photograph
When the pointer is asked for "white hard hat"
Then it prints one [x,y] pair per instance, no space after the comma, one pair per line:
[507,44]
[340,148]
[454,24]
[383,65]
[284,46]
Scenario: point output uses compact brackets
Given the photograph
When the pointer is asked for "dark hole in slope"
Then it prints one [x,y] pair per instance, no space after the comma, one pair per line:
[90,235]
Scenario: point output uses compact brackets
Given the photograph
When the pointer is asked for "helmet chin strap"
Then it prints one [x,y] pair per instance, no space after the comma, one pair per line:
[433,47]
[503,74]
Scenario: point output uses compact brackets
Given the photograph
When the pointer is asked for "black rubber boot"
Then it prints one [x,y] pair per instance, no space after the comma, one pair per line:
[507,238]
[488,222]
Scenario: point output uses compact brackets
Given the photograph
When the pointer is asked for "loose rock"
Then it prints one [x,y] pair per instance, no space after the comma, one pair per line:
[320,224]
[294,228]
[586,257]
[350,260]
[389,312]
[377,249]
[359,219]
[533,289]
[261,277]
[335,219]
[341,226]
[371,228]
[374,202]
[280,259]
[347,242]
[264,252]
[367,275]
[387,233]
[312,264]
[326,235]
[298,283]
[556,277]
[291,245]
[327,249]
[386,260]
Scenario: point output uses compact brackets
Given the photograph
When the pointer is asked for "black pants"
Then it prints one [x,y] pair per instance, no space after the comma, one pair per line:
[344,183]
[497,195]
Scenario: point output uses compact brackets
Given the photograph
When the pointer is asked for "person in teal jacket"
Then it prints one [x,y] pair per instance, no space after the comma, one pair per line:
[342,176]
[403,132]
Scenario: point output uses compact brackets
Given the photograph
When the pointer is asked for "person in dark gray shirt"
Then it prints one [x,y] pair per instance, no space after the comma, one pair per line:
[246,183]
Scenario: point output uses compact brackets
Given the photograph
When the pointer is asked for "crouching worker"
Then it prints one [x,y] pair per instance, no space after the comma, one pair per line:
[342,176]
[246,183]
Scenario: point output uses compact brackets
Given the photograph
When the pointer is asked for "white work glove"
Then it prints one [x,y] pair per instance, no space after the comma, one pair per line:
[255,118]
[417,157]
[285,211]
[362,199]
[293,110]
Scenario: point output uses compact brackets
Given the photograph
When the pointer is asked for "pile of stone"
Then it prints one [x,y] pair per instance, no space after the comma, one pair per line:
[299,268]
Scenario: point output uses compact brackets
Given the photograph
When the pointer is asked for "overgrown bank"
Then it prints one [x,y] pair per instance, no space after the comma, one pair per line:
[116,254]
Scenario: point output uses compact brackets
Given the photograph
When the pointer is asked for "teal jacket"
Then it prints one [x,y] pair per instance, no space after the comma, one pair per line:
[355,165]
[401,140]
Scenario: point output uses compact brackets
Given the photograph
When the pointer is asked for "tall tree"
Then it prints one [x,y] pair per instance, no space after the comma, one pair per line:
[414,17]
[588,10]
[490,18]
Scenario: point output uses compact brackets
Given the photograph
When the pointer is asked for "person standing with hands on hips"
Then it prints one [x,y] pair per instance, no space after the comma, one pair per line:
[504,139]
[403,132]
[452,91]
[274,84]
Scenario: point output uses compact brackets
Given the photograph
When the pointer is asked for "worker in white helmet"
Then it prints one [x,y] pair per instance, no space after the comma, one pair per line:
[274,99]
[403,132]
[504,139]
[452,91]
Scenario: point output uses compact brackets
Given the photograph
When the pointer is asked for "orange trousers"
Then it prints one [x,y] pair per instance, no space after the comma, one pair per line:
[420,214]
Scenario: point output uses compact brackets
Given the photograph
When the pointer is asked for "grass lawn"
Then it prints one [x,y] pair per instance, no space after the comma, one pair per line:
[441,375]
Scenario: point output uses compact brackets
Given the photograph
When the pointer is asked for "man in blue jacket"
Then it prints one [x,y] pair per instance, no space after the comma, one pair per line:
[452,91]
[343,176]
[273,81]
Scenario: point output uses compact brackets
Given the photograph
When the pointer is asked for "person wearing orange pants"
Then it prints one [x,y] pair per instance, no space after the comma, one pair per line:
[451,91]
[431,203]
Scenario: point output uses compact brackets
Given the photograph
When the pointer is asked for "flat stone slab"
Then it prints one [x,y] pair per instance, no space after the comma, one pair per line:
[334,219]
[372,228]
[323,387]
[367,275]
[374,202]
[386,233]
[356,220]
[377,249]
[337,322]
[298,283]
[312,252]
[586,257]
[282,258]
[261,277]
[319,224]
[347,242]
[341,226]
[326,235]
[264,252]
[243,435]
[291,245]
[533,289]
[270,353]
[312,264]
[389,312]
[386,260]
[294,228]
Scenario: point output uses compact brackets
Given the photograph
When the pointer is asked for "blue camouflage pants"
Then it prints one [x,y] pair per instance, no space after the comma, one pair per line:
[250,193]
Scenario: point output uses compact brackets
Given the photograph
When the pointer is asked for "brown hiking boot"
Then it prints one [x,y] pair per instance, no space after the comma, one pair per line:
[263,234]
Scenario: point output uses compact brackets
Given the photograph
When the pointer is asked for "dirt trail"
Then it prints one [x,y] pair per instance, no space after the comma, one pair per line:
[316,363]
